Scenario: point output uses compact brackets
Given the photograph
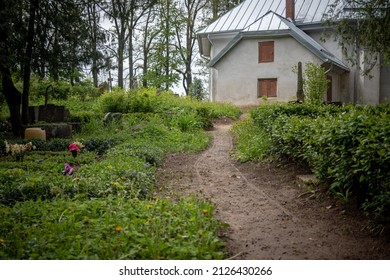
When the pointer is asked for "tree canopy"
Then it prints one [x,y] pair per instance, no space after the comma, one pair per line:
[138,43]
[364,24]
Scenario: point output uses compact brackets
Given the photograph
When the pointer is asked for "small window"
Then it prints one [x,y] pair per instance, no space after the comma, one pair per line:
[267,87]
[266,52]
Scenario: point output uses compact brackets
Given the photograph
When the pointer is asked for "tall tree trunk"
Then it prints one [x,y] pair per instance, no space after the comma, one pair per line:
[13,98]
[95,70]
[188,60]
[27,61]
[121,48]
[167,50]
[215,8]
[54,71]
[131,60]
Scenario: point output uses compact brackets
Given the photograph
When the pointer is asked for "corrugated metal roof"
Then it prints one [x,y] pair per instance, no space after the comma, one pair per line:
[249,11]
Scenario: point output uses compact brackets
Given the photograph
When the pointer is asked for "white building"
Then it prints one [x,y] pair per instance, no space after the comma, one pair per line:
[253,49]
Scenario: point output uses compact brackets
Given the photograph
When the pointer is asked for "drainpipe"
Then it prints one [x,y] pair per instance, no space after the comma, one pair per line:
[356,77]
[211,80]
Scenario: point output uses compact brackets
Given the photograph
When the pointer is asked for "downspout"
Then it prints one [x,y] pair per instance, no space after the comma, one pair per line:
[356,77]
[210,74]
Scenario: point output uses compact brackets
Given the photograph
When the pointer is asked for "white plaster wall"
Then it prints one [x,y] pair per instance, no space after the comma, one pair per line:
[239,71]
[368,87]
[369,90]
[330,43]
[343,91]
[218,42]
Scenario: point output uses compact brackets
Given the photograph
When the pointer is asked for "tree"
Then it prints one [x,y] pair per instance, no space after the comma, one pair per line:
[38,37]
[16,52]
[185,27]
[96,39]
[160,55]
[219,7]
[139,10]
[197,90]
[364,25]
[118,12]
[150,32]
[125,16]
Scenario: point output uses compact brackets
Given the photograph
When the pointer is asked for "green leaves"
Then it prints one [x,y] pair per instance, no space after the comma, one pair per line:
[315,83]
[349,147]
[111,228]
[107,209]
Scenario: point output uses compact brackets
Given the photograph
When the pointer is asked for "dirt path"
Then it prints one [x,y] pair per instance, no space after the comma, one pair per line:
[269,216]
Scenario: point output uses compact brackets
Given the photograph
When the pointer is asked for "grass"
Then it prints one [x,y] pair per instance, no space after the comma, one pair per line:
[108,208]
[251,142]
[110,228]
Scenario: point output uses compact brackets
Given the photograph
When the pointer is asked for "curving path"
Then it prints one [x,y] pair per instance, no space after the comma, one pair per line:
[269,217]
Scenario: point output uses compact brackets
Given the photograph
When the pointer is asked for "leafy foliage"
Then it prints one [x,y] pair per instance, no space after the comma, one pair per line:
[111,228]
[365,24]
[349,147]
[108,209]
[315,84]
[251,142]
[196,90]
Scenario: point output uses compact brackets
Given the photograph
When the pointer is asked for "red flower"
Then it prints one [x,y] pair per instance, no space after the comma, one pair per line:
[73,147]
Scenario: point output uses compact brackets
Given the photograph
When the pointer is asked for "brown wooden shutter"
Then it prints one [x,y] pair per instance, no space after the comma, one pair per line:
[267,87]
[266,51]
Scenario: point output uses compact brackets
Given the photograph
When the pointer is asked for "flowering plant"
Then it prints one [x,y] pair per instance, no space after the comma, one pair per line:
[75,147]
[18,150]
[68,169]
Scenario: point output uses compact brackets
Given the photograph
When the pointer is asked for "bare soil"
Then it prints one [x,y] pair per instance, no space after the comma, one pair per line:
[270,216]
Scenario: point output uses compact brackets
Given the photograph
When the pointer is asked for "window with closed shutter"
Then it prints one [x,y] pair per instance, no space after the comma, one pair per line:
[266,52]
[267,87]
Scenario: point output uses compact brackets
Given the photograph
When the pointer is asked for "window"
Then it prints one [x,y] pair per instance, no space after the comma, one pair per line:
[266,87]
[266,52]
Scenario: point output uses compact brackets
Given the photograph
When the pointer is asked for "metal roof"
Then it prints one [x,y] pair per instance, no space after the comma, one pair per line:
[272,24]
[249,11]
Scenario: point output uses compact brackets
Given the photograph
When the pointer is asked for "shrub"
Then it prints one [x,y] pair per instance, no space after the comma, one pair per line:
[315,83]
[187,122]
[100,146]
[348,147]
[116,101]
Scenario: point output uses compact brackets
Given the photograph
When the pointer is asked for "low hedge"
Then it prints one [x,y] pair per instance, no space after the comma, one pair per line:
[349,147]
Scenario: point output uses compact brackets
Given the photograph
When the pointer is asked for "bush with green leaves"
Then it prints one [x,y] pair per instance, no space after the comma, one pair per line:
[347,146]
[315,83]
[116,101]
[151,101]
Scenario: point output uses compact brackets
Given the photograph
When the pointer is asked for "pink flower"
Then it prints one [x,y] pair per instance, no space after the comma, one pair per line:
[73,147]
[68,170]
